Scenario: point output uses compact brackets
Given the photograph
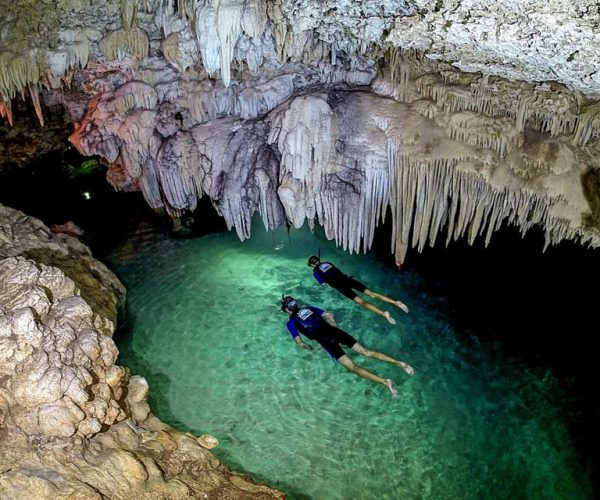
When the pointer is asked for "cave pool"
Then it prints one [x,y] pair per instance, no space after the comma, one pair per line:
[204,328]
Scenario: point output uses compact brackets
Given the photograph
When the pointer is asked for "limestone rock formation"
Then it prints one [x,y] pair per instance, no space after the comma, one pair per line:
[531,40]
[72,423]
[457,116]
[453,116]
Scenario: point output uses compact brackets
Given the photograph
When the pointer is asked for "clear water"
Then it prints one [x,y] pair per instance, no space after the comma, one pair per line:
[206,331]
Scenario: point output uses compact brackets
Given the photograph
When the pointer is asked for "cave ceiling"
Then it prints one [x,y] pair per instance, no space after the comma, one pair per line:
[455,116]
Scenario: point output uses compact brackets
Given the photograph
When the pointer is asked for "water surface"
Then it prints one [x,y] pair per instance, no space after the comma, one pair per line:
[205,329]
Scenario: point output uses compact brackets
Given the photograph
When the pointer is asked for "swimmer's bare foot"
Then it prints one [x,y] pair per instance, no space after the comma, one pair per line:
[402,306]
[389,317]
[407,368]
[388,383]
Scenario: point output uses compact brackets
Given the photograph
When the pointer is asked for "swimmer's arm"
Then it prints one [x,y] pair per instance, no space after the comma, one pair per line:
[320,280]
[299,343]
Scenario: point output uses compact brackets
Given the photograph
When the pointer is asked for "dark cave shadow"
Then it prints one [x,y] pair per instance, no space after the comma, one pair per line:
[527,305]
[48,190]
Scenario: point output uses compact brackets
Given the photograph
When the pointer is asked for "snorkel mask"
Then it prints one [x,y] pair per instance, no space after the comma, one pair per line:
[289,303]
[313,260]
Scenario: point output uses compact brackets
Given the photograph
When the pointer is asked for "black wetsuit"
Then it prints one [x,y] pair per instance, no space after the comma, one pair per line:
[308,321]
[326,272]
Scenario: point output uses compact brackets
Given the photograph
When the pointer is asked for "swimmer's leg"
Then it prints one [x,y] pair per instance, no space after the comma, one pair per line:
[361,372]
[367,305]
[385,298]
[383,357]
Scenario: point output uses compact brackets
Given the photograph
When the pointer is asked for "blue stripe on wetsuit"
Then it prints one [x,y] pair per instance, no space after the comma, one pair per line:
[318,278]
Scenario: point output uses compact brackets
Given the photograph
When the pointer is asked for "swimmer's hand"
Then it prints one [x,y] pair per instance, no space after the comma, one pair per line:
[327,316]
[306,346]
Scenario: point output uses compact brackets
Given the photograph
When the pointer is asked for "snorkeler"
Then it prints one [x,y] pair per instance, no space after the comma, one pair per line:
[319,325]
[327,274]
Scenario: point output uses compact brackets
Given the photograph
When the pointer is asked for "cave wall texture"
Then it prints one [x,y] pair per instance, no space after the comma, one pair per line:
[73,424]
[456,116]
[459,116]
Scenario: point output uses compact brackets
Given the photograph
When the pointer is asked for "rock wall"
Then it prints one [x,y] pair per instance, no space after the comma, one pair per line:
[330,112]
[72,423]
[445,156]
[530,40]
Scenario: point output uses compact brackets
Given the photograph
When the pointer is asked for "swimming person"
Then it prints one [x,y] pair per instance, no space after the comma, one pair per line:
[327,274]
[319,325]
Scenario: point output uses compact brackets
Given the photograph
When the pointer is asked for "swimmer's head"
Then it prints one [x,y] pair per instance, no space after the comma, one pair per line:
[289,303]
[313,260]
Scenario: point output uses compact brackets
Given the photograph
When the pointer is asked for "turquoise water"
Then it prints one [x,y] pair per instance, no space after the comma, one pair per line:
[205,330]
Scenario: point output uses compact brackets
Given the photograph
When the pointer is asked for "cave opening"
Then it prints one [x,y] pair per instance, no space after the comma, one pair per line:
[62,185]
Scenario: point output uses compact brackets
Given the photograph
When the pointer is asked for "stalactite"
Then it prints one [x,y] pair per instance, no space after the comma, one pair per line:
[205,27]
[34,93]
[426,108]
[179,173]
[303,138]
[170,49]
[279,28]
[18,70]
[120,43]
[229,27]
[588,125]
[254,18]
[497,134]
[482,111]
[459,77]
[374,201]
[555,111]
[72,53]
[549,108]
[128,13]
[150,185]
[429,194]
[134,95]
[495,220]
[128,41]
[139,144]
[6,111]
[265,179]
